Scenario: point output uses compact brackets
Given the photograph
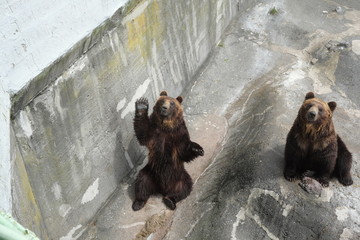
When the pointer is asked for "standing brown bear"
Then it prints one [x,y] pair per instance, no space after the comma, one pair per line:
[313,149]
[165,135]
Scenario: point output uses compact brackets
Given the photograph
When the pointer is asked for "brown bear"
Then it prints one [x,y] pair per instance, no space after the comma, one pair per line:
[313,149]
[165,135]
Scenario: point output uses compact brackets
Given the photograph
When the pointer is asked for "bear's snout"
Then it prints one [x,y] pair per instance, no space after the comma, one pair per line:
[164,110]
[311,115]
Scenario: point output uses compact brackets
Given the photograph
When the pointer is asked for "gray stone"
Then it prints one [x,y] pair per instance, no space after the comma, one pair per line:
[314,61]
[310,185]
[356,46]
[339,10]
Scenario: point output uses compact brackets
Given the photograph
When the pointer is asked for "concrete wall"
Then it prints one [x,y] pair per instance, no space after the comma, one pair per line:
[72,136]
[33,34]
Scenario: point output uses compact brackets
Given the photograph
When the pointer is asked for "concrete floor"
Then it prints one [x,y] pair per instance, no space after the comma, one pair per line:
[240,109]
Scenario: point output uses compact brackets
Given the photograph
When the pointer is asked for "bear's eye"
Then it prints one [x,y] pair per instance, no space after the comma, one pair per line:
[321,109]
[172,104]
[309,105]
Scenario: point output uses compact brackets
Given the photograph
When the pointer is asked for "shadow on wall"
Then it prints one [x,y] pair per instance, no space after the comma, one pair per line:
[133,154]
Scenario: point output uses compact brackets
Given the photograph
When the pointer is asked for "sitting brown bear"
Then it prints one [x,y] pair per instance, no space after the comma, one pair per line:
[313,149]
[165,135]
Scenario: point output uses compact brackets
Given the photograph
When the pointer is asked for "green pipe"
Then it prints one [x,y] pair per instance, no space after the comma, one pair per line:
[11,230]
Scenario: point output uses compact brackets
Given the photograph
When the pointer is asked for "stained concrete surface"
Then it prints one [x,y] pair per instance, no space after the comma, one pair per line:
[240,108]
[72,140]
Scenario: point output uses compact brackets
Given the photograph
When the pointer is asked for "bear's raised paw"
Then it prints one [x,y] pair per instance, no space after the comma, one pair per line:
[142,104]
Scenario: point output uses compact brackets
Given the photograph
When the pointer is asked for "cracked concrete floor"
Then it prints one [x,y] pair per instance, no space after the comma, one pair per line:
[240,108]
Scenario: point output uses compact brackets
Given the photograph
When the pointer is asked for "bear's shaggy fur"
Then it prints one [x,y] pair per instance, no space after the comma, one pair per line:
[165,135]
[313,149]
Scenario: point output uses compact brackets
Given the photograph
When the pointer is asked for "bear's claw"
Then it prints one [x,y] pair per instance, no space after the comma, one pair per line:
[200,152]
[290,175]
[290,179]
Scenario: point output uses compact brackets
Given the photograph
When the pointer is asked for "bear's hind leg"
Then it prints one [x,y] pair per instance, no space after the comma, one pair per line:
[343,164]
[324,169]
[181,191]
[293,168]
[144,188]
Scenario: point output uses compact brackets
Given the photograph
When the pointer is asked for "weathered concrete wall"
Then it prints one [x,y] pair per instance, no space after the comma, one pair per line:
[73,141]
[33,35]
[25,206]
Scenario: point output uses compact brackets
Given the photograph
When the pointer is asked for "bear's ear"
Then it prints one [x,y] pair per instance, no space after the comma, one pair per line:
[180,99]
[309,95]
[163,93]
[332,105]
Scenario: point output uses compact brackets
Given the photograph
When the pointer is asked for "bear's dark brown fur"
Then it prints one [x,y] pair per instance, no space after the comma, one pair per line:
[165,135]
[313,149]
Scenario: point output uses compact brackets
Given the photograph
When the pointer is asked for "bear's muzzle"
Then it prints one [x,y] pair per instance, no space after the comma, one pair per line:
[311,116]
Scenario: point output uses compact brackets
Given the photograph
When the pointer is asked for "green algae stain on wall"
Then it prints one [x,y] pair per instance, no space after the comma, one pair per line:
[26,203]
[112,67]
[144,26]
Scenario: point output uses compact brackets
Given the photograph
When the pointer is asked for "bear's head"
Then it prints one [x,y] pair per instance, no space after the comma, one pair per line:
[315,111]
[169,110]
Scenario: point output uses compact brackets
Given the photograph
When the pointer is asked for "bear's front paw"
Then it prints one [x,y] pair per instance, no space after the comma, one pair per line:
[170,203]
[138,204]
[290,175]
[141,105]
[197,149]
[308,173]
[324,181]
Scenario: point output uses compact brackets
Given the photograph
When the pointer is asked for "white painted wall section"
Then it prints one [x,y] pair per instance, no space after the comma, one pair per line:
[35,33]
[91,192]
[5,167]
